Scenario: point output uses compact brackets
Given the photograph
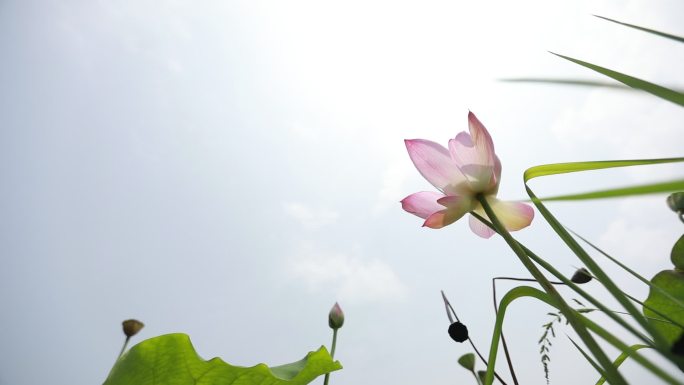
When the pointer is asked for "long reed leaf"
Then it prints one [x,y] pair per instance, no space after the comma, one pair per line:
[581,330]
[526,291]
[652,88]
[653,31]
[650,188]
[621,358]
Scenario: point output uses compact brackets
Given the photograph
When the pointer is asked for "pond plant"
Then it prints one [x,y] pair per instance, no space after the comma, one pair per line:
[466,175]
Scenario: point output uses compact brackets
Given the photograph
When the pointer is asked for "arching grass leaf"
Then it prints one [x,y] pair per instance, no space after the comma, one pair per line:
[526,291]
[653,31]
[621,358]
[654,89]
[171,360]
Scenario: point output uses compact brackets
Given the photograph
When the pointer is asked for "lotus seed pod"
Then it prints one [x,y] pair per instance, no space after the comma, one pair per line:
[582,275]
[458,332]
[336,317]
[676,202]
[131,327]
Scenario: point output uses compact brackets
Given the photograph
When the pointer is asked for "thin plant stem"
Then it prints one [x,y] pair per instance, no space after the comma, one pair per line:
[332,354]
[123,348]
[448,306]
[660,341]
[496,310]
[581,330]
[626,268]
[477,378]
[548,267]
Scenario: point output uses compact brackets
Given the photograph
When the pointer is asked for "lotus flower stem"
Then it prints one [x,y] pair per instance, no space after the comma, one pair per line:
[332,355]
[496,310]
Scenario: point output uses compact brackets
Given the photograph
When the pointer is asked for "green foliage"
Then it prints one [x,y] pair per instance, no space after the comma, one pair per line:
[481,375]
[549,332]
[621,358]
[570,167]
[526,291]
[562,168]
[654,89]
[677,256]
[653,31]
[171,360]
[467,361]
[650,188]
[672,282]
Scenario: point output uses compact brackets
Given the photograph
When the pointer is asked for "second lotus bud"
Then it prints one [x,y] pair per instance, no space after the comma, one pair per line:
[336,317]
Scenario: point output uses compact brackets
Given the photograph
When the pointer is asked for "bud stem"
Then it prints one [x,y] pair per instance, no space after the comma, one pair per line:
[123,348]
[332,355]
[448,306]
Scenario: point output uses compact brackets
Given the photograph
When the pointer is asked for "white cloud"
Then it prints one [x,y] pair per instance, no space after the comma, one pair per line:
[309,217]
[352,278]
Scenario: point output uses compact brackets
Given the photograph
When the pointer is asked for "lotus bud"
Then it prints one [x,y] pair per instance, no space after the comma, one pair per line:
[676,202]
[336,317]
[458,332]
[582,275]
[131,327]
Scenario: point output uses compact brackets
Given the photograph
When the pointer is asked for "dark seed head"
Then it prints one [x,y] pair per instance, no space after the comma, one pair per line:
[582,275]
[131,327]
[458,332]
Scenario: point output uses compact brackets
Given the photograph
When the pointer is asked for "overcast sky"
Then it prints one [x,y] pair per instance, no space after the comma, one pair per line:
[231,169]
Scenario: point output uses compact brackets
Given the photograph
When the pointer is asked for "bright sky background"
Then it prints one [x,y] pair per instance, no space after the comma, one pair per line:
[231,169]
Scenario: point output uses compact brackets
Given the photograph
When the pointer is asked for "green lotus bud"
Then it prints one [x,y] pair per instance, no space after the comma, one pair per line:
[336,317]
[676,202]
[131,327]
[582,275]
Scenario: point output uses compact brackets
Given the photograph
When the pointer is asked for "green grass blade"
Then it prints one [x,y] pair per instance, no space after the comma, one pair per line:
[653,31]
[526,291]
[578,83]
[601,276]
[569,82]
[630,271]
[596,270]
[654,89]
[548,267]
[564,168]
[651,188]
[581,330]
[587,357]
[621,358]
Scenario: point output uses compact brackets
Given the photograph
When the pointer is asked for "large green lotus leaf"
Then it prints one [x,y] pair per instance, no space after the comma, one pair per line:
[672,282]
[171,360]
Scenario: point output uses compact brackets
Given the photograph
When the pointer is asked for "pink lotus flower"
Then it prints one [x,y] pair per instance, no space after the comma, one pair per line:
[468,168]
